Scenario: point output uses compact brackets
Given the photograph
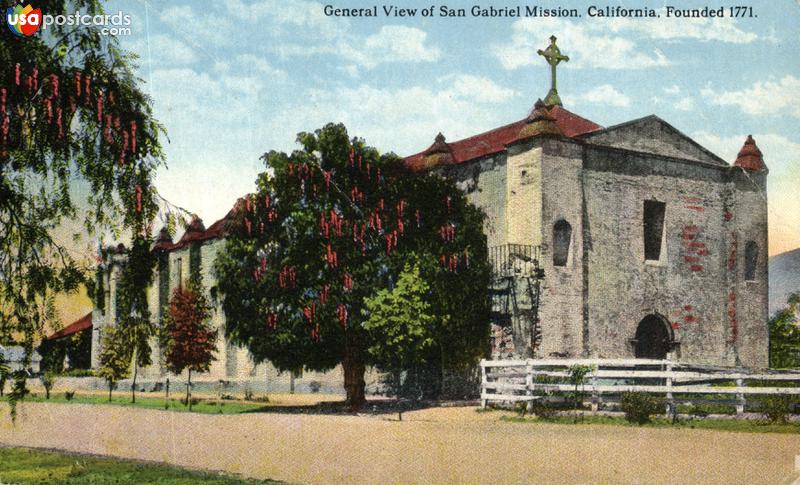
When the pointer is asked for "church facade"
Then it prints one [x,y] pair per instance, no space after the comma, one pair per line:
[608,242]
[650,244]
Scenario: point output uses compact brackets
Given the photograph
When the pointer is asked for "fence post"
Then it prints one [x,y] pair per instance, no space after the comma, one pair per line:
[740,402]
[529,384]
[483,383]
[670,402]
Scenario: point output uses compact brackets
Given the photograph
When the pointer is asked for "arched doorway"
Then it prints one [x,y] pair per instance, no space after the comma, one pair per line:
[653,339]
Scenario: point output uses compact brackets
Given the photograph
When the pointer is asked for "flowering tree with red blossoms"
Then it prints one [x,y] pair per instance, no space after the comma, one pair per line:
[70,111]
[330,225]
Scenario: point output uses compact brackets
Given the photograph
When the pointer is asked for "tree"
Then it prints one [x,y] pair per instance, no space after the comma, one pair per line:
[5,373]
[331,224]
[188,340]
[115,357]
[401,326]
[784,336]
[70,111]
[134,322]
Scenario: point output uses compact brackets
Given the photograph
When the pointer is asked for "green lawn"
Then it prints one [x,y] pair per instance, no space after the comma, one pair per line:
[143,401]
[26,466]
[717,424]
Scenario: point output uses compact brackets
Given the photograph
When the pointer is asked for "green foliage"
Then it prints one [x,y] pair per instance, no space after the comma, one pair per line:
[5,373]
[76,116]
[784,336]
[77,348]
[577,377]
[776,408]
[578,373]
[48,380]
[640,406]
[543,409]
[115,357]
[400,323]
[337,211]
[34,467]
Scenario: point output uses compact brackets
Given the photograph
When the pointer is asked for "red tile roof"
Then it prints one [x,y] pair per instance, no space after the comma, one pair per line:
[84,323]
[495,141]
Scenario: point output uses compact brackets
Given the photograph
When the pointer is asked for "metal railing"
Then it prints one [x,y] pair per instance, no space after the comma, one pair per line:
[514,259]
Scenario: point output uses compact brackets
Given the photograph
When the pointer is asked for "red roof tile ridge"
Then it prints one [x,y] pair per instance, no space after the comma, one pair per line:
[78,325]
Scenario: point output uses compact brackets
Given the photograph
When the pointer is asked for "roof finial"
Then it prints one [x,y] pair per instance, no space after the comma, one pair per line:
[553,56]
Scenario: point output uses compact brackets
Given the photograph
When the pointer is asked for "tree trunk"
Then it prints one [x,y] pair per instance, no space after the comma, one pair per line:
[354,368]
[110,385]
[189,390]
[166,398]
[133,385]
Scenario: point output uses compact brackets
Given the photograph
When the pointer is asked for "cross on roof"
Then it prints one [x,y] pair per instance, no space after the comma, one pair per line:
[553,56]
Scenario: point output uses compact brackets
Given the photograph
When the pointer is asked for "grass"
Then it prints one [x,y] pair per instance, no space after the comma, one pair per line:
[27,466]
[201,406]
[738,425]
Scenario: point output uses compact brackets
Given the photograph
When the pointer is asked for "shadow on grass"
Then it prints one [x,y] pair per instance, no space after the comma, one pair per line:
[372,406]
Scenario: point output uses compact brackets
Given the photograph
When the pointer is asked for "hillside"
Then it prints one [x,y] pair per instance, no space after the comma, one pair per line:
[784,278]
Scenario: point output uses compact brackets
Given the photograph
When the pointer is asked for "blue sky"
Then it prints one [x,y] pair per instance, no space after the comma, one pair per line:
[232,80]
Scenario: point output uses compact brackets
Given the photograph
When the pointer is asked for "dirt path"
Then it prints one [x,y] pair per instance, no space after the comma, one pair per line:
[444,445]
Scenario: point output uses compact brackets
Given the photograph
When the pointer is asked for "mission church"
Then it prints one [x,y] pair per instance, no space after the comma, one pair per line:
[610,242]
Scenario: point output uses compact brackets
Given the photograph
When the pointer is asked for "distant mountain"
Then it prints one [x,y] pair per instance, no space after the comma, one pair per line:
[784,278]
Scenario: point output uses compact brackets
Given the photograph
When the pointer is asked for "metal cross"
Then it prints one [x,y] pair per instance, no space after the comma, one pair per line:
[553,56]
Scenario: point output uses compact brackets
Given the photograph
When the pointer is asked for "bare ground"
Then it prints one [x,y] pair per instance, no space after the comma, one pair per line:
[438,445]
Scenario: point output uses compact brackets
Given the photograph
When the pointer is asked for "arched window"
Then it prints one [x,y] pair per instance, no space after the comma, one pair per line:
[562,234]
[750,260]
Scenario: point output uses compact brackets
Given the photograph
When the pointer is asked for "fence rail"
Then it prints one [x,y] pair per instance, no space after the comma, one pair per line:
[533,379]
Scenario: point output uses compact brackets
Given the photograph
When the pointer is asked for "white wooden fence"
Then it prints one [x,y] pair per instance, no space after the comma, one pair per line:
[532,379]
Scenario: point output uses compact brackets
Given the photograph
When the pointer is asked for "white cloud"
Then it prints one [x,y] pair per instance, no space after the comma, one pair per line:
[189,25]
[164,50]
[403,120]
[589,48]
[685,104]
[762,98]
[605,95]
[393,43]
[291,16]
[674,89]
[481,89]
[402,44]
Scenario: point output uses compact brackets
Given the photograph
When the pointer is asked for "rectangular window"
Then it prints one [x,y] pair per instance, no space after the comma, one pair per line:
[653,229]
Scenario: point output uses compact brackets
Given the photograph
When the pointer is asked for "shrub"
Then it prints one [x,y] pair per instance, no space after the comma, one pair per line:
[542,409]
[639,406]
[68,395]
[314,386]
[776,408]
[78,373]
[48,380]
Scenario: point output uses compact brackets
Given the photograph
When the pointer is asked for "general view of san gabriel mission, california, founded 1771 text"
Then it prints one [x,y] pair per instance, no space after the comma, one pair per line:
[313,242]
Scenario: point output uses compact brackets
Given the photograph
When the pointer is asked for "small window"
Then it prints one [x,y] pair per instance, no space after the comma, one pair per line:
[562,234]
[653,229]
[750,261]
